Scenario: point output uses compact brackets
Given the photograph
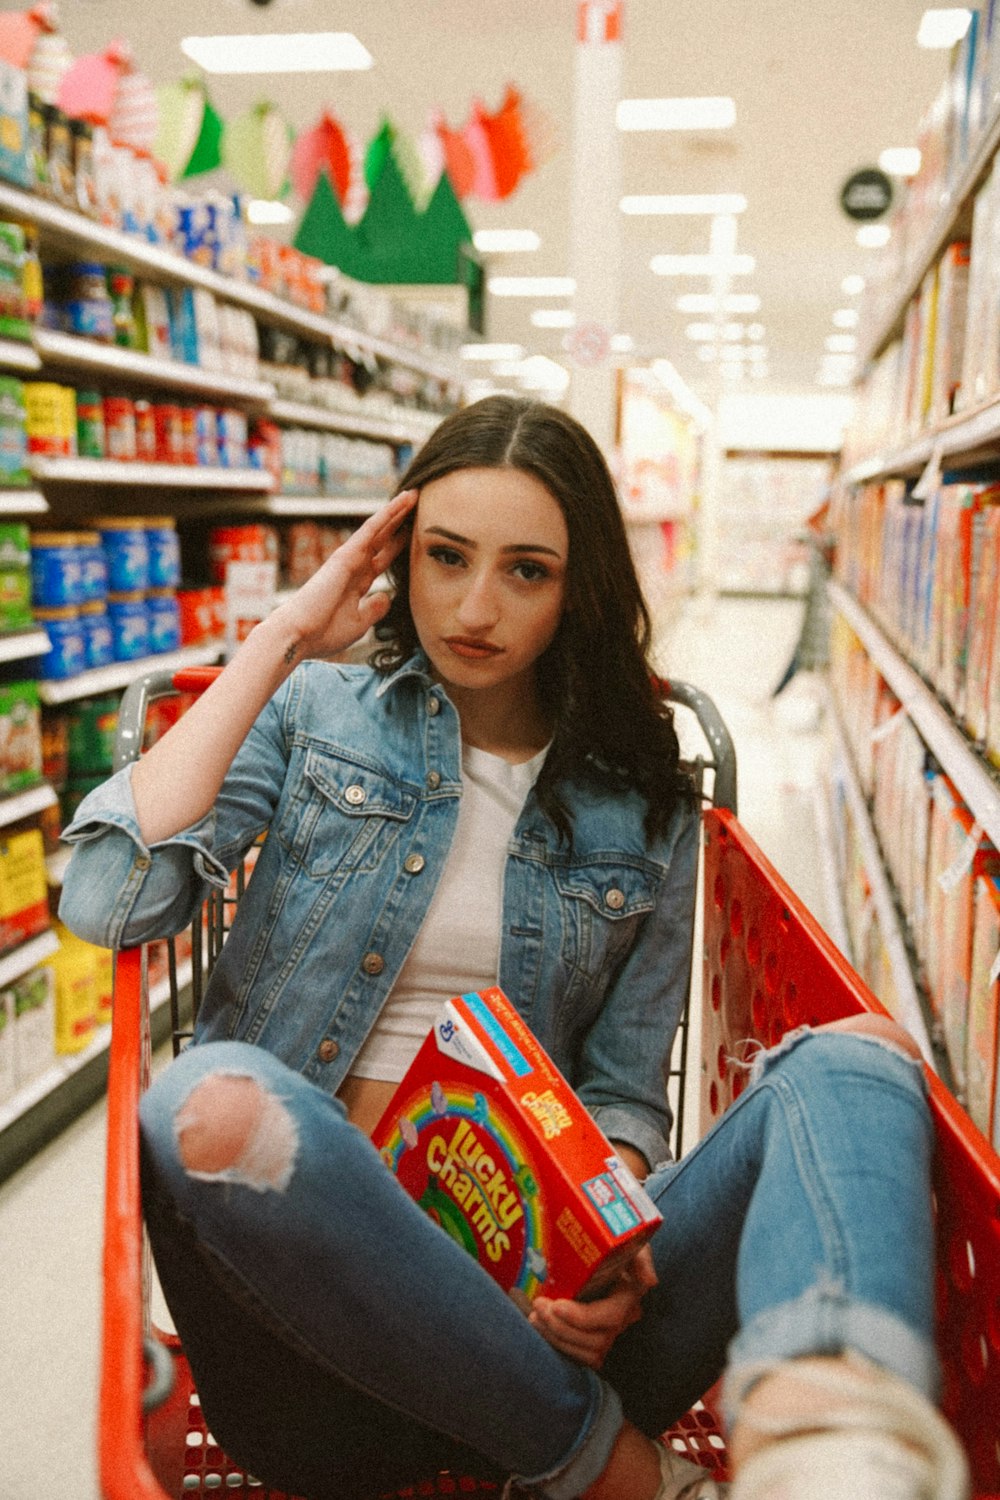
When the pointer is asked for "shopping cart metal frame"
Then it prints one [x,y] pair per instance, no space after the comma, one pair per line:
[767,968]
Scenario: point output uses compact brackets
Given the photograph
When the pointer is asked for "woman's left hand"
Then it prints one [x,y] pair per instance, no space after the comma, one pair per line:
[585,1331]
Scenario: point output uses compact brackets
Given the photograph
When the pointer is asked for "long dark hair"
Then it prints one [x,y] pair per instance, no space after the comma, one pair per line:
[611,728]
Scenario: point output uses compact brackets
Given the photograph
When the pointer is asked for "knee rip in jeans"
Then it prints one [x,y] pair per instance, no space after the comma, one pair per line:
[230,1129]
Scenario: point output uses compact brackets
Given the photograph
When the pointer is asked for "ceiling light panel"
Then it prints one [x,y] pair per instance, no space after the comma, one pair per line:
[873,236]
[943,27]
[553,317]
[492,351]
[901,161]
[505,241]
[676,114]
[279,52]
[704,302]
[702,265]
[683,203]
[268,211]
[531,286]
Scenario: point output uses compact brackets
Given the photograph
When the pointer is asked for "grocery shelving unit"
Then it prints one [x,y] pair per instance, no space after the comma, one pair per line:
[61,486]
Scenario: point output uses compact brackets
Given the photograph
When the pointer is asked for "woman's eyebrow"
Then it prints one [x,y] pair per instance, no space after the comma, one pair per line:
[454,536]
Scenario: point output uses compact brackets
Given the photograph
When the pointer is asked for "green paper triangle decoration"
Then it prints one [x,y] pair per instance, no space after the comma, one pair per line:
[394,243]
[207,154]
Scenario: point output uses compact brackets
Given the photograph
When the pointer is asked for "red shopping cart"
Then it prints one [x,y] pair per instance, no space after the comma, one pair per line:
[768,967]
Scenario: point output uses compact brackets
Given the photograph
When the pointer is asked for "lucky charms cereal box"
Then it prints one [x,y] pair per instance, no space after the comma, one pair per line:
[489,1138]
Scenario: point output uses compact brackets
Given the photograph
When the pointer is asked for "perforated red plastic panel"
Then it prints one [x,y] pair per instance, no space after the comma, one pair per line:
[769,967]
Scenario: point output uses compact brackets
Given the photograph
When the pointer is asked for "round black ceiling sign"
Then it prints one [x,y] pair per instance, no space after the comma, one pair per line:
[866,194]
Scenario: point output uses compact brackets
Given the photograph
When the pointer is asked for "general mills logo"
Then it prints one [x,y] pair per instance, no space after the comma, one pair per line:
[447,1030]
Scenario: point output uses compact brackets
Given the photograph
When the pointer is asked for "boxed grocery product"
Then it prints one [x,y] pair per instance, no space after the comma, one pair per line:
[15,164]
[13,433]
[984,997]
[953,295]
[33,996]
[980,665]
[24,893]
[8,1059]
[15,576]
[486,1135]
[83,977]
[20,736]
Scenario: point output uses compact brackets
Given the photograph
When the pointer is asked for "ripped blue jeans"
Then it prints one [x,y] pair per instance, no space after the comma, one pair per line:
[344,1346]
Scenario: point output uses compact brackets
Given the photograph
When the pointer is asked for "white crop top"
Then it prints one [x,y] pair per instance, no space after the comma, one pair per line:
[458,946]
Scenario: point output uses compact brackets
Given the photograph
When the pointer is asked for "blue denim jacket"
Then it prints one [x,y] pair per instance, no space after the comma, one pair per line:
[356,778]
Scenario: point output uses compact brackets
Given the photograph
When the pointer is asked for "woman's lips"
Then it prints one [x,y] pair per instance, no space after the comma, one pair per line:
[472,650]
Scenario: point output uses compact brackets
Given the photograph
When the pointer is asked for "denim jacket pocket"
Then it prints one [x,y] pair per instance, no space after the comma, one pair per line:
[602,904]
[343,816]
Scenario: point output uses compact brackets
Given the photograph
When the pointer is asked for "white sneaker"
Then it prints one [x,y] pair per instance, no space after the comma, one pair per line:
[880,1440]
[680,1479]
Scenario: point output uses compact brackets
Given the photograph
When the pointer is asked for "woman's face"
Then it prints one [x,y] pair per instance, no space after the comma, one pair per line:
[488,568]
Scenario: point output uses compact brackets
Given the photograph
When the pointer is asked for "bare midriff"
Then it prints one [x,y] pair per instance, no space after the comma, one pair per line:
[366,1100]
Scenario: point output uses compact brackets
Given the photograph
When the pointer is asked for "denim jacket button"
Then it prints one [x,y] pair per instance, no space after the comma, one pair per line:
[615,899]
[328,1050]
[355,795]
[413,864]
[373,963]
[142,861]
[433,780]
[433,705]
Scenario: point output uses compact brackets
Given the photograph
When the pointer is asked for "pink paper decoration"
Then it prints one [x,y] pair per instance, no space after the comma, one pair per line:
[134,115]
[20,29]
[325,145]
[489,155]
[88,90]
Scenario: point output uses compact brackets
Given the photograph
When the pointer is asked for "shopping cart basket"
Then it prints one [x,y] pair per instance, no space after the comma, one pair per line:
[768,967]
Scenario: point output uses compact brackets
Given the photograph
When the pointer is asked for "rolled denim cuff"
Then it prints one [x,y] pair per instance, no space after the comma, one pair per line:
[622,1125]
[590,1457]
[824,1321]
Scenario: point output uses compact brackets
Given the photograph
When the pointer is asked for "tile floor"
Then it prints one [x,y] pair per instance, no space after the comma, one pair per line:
[50,1212]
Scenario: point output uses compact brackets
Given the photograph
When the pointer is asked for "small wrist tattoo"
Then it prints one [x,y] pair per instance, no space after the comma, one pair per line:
[291,653]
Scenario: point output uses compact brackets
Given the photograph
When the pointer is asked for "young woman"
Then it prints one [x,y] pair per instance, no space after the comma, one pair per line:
[496,800]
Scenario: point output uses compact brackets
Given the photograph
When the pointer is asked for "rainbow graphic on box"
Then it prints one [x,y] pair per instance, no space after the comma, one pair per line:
[488,1137]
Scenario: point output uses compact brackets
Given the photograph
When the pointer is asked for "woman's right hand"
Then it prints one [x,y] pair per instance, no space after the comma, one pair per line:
[336,607]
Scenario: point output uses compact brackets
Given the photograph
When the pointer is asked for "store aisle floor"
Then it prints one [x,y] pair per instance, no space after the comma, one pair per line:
[50,1212]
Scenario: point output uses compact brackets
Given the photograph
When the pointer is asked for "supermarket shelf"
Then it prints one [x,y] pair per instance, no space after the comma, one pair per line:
[833,902]
[16,355]
[319,506]
[65,1069]
[911,1013]
[21,959]
[969,438]
[170,476]
[17,502]
[407,427]
[935,242]
[63,227]
[25,804]
[87,354]
[121,673]
[977,784]
[26,643]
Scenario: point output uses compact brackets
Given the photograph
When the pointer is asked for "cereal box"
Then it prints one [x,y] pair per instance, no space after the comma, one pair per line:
[488,1137]
[984,987]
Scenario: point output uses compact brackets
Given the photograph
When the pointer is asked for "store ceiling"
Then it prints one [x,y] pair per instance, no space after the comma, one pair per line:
[820,89]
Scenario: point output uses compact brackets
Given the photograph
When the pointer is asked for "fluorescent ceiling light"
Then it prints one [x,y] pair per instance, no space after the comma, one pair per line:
[701,265]
[901,161]
[705,332]
[845,317]
[704,302]
[504,241]
[621,343]
[531,286]
[852,286]
[873,236]
[539,373]
[669,377]
[268,211]
[705,352]
[759,372]
[278,52]
[943,27]
[756,332]
[683,203]
[553,317]
[492,351]
[675,114]
[840,343]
